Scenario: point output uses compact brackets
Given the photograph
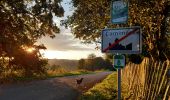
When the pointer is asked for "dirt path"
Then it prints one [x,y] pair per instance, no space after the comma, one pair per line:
[63,88]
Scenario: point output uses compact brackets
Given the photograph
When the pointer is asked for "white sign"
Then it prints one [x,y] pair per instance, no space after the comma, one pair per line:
[122,40]
[119,12]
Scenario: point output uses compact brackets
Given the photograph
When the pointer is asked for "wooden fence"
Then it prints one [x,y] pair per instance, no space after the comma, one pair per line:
[147,81]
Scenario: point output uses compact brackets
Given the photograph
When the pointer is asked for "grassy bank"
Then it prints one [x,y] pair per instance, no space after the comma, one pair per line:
[103,91]
[106,90]
[49,74]
[60,72]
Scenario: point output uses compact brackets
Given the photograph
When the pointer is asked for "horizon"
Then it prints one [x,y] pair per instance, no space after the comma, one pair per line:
[73,55]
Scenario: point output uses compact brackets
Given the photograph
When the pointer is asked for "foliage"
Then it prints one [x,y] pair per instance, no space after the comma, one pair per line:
[22,22]
[94,63]
[91,56]
[106,90]
[81,64]
[91,16]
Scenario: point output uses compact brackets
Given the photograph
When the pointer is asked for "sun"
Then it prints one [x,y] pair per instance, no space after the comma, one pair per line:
[30,50]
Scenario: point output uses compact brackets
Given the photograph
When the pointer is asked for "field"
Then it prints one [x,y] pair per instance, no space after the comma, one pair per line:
[65,63]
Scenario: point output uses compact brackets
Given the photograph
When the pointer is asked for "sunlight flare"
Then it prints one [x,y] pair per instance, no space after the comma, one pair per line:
[30,50]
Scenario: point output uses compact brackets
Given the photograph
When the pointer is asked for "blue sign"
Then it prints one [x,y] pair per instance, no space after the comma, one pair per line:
[119,12]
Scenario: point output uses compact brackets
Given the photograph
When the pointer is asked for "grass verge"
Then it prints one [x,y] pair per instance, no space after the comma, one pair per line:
[106,90]
[50,74]
[53,75]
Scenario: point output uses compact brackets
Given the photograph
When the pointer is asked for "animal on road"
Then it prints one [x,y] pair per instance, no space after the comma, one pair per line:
[79,81]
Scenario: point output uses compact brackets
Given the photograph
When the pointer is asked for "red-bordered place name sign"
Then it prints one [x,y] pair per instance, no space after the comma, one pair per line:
[122,40]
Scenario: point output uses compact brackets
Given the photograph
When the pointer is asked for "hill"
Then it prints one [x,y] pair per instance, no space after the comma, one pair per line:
[71,64]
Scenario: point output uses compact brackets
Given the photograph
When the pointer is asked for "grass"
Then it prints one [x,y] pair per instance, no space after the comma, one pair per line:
[106,90]
[18,79]
[59,72]
[53,74]
[70,73]
[27,78]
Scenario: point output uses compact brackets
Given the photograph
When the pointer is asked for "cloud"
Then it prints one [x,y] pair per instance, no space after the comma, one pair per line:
[64,41]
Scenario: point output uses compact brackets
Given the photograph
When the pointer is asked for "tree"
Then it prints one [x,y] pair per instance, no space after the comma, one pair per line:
[94,63]
[22,22]
[91,56]
[91,16]
[90,61]
[81,64]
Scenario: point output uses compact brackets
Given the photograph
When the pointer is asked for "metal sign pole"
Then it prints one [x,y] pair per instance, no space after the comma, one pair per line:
[117,64]
[119,83]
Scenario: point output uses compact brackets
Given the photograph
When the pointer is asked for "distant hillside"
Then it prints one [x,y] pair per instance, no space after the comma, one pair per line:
[71,64]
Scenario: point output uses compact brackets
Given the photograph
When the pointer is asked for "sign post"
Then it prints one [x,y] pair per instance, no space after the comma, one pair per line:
[119,62]
[119,84]
[121,40]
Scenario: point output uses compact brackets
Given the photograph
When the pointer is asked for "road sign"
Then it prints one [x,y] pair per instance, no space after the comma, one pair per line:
[119,61]
[122,40]
[119,12]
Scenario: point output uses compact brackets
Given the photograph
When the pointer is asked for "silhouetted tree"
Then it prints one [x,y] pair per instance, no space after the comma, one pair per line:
[22,22]
[81,64]
[96,63]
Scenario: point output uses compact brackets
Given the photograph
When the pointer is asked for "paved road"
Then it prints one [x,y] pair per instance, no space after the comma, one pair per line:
[63,88]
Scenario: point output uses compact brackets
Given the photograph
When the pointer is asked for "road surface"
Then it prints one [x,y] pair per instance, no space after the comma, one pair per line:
[63,88]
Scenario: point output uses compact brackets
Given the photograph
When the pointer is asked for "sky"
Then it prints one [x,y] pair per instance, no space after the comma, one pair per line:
[64,45]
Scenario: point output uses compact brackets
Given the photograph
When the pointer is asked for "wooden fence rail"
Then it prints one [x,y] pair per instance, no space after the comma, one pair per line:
[147,81]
